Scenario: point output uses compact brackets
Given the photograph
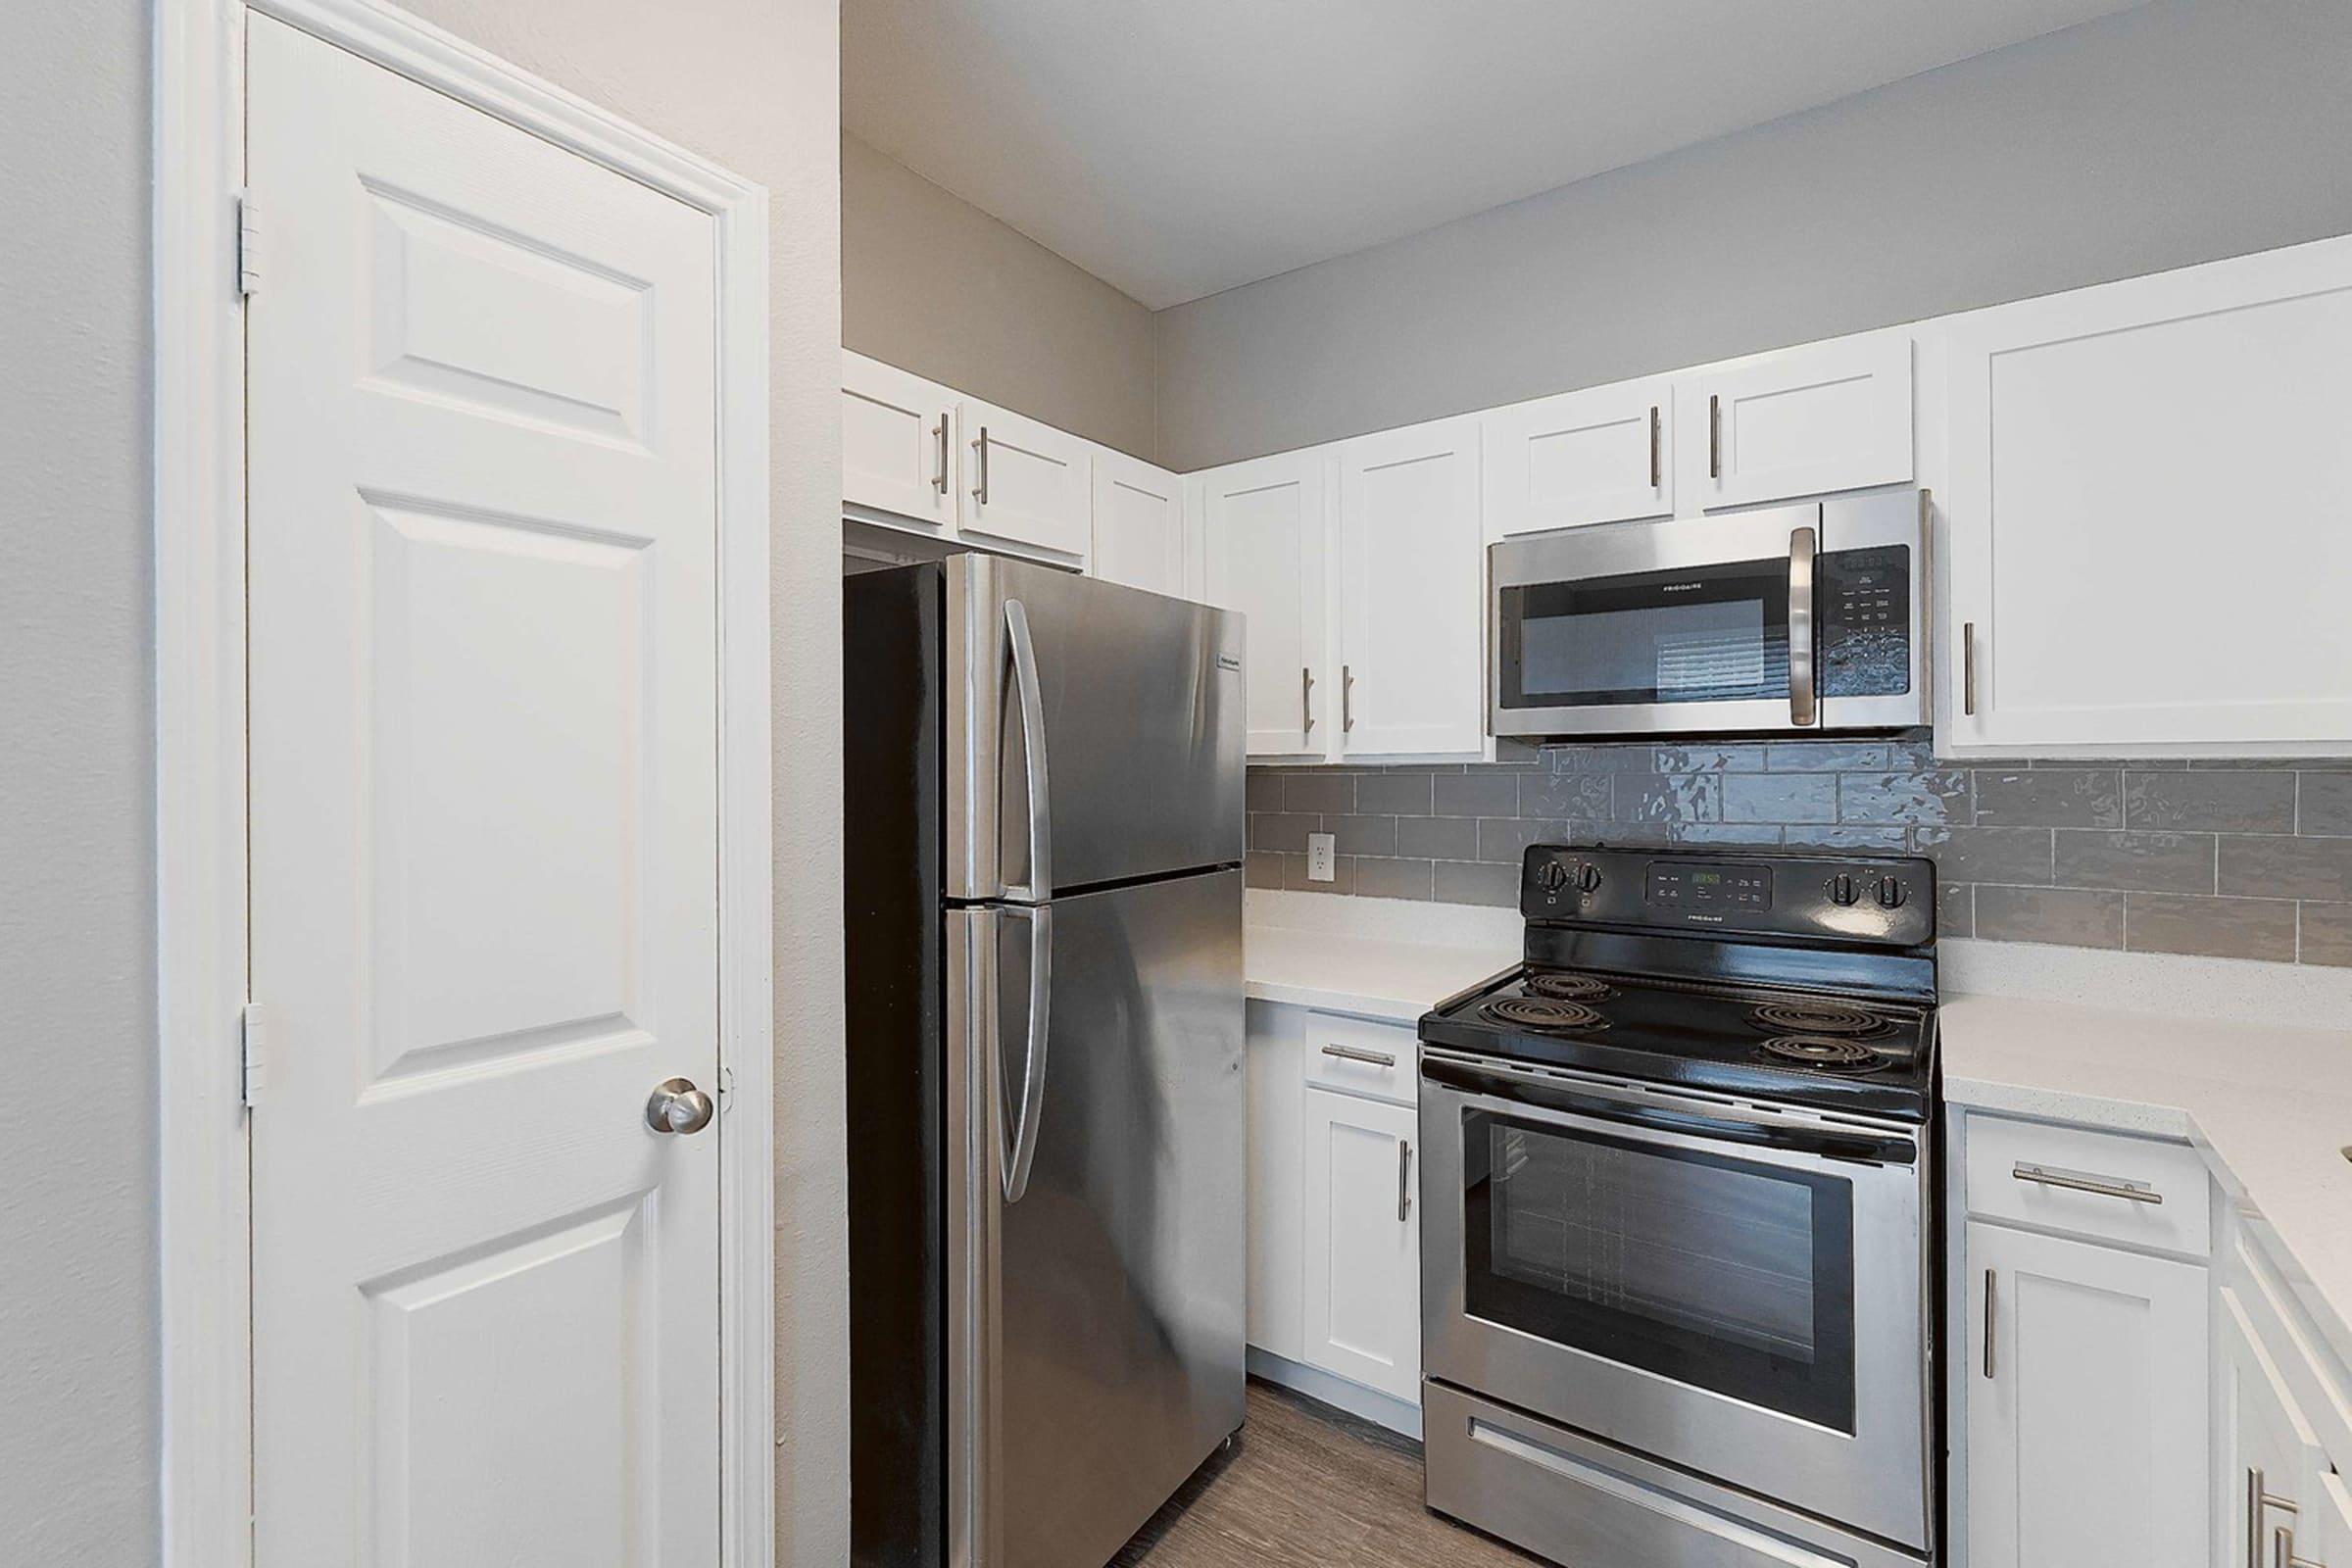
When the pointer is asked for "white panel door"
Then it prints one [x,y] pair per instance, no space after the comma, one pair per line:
[483,703]
[1277,1266]
[898,442]
[2087,1413]
[1025,483]
[1262,527]
[2270,1450]
[1362,1227]
[1833,416]
[1604,455]
[1139,524]
[1411,593]
[2150,505]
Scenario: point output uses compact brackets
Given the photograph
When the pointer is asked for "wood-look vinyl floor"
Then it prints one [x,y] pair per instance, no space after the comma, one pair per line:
[1304,1485]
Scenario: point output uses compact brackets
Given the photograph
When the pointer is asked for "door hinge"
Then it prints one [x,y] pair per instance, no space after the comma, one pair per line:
[255,1034]
[249,245]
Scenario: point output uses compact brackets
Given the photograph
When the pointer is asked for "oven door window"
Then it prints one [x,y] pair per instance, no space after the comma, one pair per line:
[1702,634]
[1715,1271]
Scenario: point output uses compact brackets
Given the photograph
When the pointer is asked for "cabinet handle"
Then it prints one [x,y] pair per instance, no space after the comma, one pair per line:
[1988,1324]
[980,490]
[2283,1551]
[939,480]
[1347,700]
[1378,1059]
[1405,1178]
[1715,435]
[1306,700]
[2077,1182]
[1657,477]
[2260,1498]
[1968,669]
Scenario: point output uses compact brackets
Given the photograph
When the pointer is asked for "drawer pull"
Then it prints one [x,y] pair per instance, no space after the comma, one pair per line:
[2077,1182]
[1378,1059]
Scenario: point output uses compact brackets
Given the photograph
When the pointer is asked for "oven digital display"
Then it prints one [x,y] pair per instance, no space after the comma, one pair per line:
[1711,888]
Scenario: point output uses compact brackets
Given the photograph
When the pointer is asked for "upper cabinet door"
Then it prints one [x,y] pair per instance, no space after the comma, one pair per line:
[1829,417]
[1262,525]
[1605,455]
[1024,482]
[1139,524]
[898,442]
[1411,592]
[2158,561]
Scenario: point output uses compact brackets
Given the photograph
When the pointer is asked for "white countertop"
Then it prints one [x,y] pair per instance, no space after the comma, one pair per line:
[2269,1105]
[1369,977]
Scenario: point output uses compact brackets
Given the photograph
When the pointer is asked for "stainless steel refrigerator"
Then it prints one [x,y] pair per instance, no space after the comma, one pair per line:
[1043,833]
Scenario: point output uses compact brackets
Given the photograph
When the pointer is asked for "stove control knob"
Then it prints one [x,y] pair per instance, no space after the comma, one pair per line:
[1587,877]
[1842,892]
[1892,893]
[1552,876]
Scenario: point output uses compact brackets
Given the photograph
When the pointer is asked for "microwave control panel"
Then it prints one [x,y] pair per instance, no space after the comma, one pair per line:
[1864,599]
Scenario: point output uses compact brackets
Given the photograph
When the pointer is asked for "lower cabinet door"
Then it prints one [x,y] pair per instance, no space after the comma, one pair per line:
[1362,1227]
[2086,1422]
[2272,1469]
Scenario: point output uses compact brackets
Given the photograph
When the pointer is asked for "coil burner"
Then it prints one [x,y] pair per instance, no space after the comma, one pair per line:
[1542,1012]
[1570,987]
[1808,1018]
[1821,1050]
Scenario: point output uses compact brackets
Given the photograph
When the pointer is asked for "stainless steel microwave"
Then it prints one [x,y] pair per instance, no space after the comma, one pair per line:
[1799,619]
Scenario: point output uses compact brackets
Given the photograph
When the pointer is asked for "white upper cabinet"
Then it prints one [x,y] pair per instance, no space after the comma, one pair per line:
[1828,417]
[2158,561]
[898,442]
[1263,529]
[1411,592]
[1139,524]
[1024,483]
[1605,455]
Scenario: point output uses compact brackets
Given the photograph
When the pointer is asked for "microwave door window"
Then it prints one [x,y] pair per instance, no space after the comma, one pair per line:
[1716,634]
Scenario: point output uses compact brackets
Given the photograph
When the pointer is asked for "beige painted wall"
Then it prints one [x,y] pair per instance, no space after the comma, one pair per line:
[751,83]
[934,285]
[2174,134]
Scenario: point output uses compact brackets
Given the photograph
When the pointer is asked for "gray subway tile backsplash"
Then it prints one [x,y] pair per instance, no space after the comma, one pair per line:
[2218,857]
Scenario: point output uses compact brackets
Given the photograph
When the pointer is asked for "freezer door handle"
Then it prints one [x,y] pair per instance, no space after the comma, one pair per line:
[1019,1145]
[1030,697]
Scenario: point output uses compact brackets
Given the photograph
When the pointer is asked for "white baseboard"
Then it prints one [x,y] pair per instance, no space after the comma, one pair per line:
[1372,1406]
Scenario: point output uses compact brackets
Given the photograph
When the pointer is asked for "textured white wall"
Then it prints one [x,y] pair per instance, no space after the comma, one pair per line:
[751,83]
[933,284]
[2178,133]
[78,1275]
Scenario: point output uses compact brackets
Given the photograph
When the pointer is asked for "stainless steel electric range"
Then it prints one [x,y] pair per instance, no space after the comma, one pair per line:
[1678,1248]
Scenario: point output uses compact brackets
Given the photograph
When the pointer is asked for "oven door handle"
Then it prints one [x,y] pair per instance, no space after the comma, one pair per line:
[1723,1123]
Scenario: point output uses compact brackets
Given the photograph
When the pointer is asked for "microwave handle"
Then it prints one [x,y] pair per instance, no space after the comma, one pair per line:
[1804,708]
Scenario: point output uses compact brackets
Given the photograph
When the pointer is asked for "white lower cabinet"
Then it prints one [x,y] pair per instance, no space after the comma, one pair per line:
[2269,1458]
[1277,1276]
[2086,1422]
[1361,1229]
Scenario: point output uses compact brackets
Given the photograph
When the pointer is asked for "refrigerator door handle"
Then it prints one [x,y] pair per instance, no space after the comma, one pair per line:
[1031,698]
[1021,1150]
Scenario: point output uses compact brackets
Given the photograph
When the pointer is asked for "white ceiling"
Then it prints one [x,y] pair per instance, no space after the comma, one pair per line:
[1180,147]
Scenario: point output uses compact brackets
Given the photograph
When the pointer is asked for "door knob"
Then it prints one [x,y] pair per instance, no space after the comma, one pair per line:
[678,1106]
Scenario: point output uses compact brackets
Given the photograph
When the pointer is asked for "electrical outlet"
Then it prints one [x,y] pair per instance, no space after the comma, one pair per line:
[1319,857]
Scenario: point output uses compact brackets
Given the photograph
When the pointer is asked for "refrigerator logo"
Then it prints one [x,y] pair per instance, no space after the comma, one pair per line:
[1681,587]
[1228,662]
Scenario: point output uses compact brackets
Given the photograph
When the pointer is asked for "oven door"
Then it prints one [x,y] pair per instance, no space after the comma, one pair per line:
[1735,1290]
[1796,618]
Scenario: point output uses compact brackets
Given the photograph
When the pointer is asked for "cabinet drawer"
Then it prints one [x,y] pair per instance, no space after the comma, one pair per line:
[2066,1179]
[1358,1058]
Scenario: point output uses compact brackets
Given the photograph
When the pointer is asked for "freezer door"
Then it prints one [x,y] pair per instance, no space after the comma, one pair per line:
[1103,1307]
[1137,700]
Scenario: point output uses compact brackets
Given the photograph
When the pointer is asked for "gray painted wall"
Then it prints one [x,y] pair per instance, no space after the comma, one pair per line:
[2181,132]
[77,1276]
[753,85]
[933,284]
